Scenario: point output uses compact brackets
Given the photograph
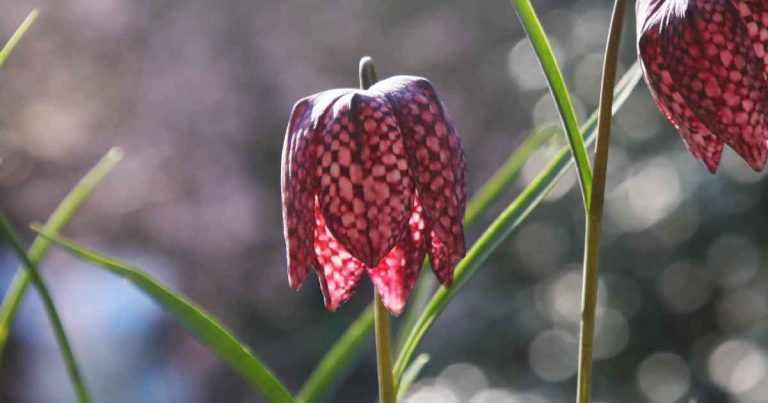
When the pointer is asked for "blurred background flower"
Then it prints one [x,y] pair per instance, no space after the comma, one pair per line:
[198,93]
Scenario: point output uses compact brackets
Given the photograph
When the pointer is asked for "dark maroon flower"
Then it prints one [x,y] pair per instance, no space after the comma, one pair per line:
[372,180]
[705,62]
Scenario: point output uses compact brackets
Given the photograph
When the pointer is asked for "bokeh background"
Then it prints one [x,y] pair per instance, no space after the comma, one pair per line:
[198,94]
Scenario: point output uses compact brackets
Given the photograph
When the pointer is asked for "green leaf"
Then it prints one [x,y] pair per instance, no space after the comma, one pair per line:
[346,347]
[559,91]
[411,374]
[197,321]
[16,37]
[507,221]
[50,309]
[58,220]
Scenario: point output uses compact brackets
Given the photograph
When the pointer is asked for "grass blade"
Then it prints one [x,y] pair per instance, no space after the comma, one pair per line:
[507,221]
[559,91]
[16,37]
[197,321]
[60,217]
[50,308]
[411,374]
[348,345]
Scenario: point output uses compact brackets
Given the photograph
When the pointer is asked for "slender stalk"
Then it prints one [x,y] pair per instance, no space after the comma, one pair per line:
[381,316]
[384,352]
[595,213]
[58,328]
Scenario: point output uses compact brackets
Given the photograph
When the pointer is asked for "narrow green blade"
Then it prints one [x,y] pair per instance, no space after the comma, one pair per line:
[73,369]
[197,321]
[411,374]
[16,37]
[559,91]
[58,220]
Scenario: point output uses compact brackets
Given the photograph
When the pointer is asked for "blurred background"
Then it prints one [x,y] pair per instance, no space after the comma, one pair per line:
[198,94]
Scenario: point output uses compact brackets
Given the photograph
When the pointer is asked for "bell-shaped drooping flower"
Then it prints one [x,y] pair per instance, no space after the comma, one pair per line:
[705,62]
[372,180]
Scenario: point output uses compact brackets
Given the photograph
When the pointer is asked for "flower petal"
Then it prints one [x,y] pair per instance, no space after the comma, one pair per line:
[298,184]
[719,76]
[700,141]
[339,271]
[436,156]
[396,274]
[754,14]
[442,258]
[365,191]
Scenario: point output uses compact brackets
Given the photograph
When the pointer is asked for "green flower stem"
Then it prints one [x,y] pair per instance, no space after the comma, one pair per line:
[595,215]
[381,316]
[58,220]
[58,328]
[383,352]
[559,91]
[328,369]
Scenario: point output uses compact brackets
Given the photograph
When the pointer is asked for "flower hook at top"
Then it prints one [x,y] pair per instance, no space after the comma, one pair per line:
[372,180]
[705,63]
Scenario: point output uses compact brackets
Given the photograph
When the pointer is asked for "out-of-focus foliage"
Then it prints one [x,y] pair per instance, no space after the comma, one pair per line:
[198,94]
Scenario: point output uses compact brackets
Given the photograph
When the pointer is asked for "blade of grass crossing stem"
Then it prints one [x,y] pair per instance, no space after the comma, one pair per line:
[205,327]
[345,348]
[70,362]
[559,91]
[58,219]
[493,189]
[507,221]
[16,37]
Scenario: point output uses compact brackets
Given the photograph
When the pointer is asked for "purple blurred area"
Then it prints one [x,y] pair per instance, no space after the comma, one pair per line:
[198,93]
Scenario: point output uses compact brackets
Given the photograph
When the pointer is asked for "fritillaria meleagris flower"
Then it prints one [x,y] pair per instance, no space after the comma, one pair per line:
[372,180]
[705,62]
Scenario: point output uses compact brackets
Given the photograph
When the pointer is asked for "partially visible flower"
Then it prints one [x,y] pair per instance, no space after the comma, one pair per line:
[372,180]
[705,62]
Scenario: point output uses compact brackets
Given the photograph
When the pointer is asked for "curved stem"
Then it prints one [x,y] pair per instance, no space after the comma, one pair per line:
[381,316]
[595,213]
[58,328]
